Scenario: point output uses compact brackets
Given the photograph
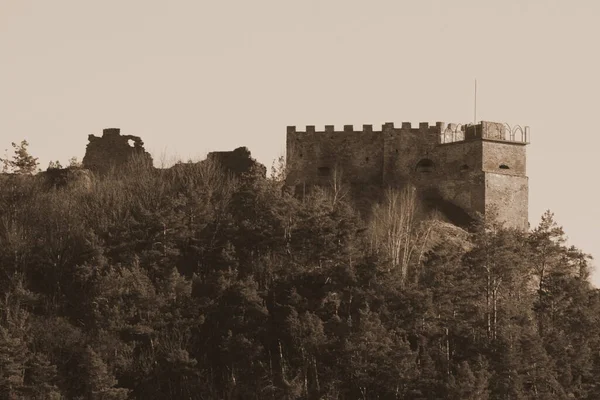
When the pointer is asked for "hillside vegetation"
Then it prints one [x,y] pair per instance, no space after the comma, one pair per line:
[190,283]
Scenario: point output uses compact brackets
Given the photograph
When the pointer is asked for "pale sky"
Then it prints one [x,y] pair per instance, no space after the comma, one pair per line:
[195,76]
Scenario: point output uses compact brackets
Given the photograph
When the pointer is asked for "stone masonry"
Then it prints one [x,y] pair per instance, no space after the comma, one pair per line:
[113,150]
[458,168]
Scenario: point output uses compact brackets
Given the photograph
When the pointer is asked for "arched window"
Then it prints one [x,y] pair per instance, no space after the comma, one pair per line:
[424,166]
[464,168]
[504,166]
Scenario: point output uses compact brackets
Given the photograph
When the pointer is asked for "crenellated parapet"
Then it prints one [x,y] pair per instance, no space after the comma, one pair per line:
[447,133]
[486,130]
[404,126]
[471,167]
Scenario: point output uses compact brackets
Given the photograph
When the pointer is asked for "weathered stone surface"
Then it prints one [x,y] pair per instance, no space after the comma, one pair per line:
[113,150]
[509,195]
[237,162]
[65,177]
[460,171]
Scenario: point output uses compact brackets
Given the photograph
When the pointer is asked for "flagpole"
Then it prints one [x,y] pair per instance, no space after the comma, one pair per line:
[475,105]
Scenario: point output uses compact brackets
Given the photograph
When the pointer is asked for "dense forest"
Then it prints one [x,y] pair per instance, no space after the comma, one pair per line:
[193,283]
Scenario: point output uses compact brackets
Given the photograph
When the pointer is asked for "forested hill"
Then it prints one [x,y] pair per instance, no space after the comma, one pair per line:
[190,283]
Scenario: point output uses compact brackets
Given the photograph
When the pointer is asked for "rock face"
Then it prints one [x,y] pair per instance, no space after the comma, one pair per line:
[447,234]
[113,150]
[459,170]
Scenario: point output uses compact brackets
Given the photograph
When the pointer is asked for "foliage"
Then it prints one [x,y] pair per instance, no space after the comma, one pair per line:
[190,283]
[22,163]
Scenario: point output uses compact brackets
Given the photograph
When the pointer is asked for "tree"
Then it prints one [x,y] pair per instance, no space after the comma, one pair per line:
[74,163]
[99,383]
[54,165]
[22,162]
[469,385]
[396,233]
[497,264]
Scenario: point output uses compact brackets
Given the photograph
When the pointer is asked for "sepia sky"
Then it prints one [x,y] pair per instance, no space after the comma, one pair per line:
[194,76]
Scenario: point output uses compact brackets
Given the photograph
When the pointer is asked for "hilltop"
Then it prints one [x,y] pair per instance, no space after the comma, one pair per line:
[212,280]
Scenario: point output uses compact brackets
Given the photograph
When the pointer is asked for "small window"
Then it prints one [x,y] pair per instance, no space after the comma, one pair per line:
[464,168]
[504,166]
[424,166]
[366,159]
[323,171]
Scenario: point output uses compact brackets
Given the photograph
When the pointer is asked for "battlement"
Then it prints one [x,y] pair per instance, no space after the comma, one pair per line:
[404,126]
[469,166]
[448,133]
[487,131]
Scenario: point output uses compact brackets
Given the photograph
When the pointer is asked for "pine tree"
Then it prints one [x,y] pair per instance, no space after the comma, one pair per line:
[22,162]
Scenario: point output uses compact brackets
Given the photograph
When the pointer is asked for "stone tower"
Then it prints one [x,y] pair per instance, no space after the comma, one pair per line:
[461,170]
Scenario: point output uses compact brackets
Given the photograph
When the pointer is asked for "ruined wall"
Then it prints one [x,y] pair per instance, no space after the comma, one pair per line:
[113,150]
[237,162]
[63,177]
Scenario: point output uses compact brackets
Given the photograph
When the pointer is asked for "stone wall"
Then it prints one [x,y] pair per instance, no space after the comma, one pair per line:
[237,162]
[449,166]
[504,158]
[315,156]
[405,147]
[63,177]
[113,150]
[460,179]
[509,195]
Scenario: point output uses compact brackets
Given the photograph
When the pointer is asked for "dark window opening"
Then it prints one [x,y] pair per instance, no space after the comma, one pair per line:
[397,151]
[504,166]
[367,159]
[323,171]
[300,155]
[424,166]
[464,168]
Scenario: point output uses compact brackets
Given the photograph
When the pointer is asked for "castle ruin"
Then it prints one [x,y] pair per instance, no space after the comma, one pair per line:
[459,168]
[113,150]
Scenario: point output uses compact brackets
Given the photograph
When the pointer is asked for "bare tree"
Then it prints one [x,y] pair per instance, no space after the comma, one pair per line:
[338,190]
[393,228]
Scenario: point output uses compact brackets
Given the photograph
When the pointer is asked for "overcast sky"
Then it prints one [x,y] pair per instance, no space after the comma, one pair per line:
[194,76]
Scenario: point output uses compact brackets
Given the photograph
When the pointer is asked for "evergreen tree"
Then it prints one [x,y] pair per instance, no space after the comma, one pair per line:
[22,163]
